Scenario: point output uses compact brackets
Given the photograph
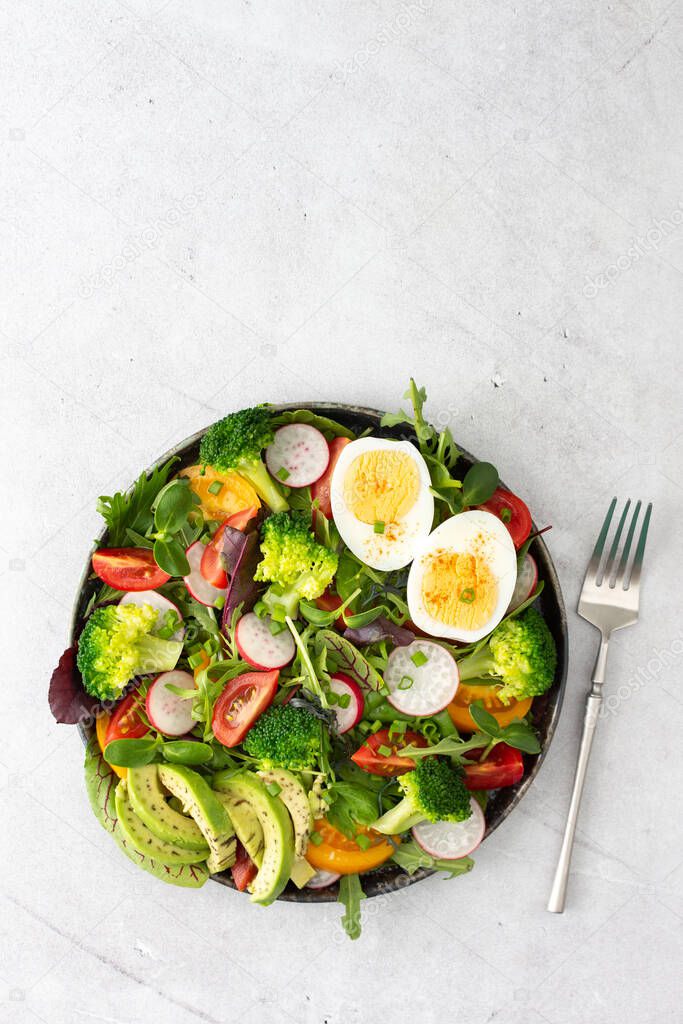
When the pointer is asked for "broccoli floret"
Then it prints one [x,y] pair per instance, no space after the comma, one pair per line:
[117,644]
[520,654]
[294,563]
[236,442]
[434,791]
[286,737]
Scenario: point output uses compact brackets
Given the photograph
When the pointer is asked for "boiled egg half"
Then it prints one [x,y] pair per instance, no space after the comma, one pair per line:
[462,578]
[381,501]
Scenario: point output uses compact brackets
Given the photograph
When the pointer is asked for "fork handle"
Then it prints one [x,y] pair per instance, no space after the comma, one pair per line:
[558,892]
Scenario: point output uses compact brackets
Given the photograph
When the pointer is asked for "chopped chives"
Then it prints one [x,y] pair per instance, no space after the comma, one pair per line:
[315,838]
[283,473]
[196,659]
[216,487]
[397,727]
[275,627]
[273,788]
[363,841]
[379,527]
[220,602]
[506,514]
[384,751]
[332,697]
[406,683]
[419,658]
[343,700]
[376,726]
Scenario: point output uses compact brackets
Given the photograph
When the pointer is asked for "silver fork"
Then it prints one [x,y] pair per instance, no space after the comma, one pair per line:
[609,600]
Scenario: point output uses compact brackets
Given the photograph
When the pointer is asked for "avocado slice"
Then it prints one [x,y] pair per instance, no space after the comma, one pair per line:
[302,872]
[141,838]
[295,799]
[210,815]
[245,821]
[149,803]
[278,834]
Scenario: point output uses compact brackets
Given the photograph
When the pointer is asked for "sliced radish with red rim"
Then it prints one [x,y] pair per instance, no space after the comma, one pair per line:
[298,455]
[262,648]
[450,840]
[422,678]
[321,880]
[198,586]
[162,605]
[168,712]
[527,578]
[348,703]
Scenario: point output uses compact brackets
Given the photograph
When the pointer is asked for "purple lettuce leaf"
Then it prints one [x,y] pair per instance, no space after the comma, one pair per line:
[379,630]
[241,554]
[69,703]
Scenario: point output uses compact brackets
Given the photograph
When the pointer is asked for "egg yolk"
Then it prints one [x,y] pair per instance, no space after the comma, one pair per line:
[381,486]
[459,589]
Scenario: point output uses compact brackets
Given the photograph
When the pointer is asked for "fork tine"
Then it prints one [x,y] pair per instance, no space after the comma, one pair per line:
[611,561]
[640,551]
[594,564]
[623,561]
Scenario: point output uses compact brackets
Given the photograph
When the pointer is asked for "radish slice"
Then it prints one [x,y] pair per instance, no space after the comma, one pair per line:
[450,840]
[167,712]
[162,605]
[321,879]
[298,455]
[350,715]
[199,587]
[259,647]
[527,578]
[422,678]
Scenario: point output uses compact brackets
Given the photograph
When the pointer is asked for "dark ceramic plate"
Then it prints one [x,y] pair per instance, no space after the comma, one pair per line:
[545,710]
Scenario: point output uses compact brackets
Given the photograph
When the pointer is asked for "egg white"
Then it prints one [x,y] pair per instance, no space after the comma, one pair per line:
[382,551]
[458,534]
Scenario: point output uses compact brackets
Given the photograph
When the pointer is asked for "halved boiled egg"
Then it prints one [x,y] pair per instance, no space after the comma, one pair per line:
[381,501]
[461,581]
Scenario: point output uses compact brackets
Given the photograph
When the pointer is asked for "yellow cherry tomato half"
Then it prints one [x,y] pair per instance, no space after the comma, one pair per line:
[221,494]
[101,726]
[335,852]
[468,693]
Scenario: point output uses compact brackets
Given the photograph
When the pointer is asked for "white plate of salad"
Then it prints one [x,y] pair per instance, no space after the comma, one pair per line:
[317,653]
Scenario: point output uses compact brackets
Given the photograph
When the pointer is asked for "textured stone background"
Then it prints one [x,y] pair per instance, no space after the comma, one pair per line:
[207,205]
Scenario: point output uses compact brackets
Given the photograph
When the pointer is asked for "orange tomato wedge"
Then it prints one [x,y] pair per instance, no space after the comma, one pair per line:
[235,494]
[468,693]
[344,856]
[101,726]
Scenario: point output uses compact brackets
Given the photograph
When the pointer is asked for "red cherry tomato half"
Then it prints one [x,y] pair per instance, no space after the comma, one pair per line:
[243,870]
[320,490]
[128,569]
[503,767]
[240,704]
[369,758]
[211,566]
[125,722]
[512,511]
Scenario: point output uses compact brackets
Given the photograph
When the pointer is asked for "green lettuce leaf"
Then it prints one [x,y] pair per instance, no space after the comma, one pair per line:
[330,428]
[350,895]
[411,858]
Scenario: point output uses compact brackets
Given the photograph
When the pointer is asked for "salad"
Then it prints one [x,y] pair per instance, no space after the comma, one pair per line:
[308,655]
